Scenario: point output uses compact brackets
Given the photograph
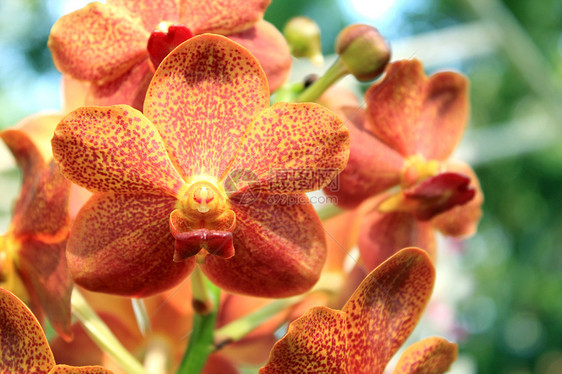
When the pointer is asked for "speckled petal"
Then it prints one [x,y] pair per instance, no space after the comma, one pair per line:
[97,43]
[279,249]
[372,168]
[294,148]
[413,113]
[385,308]
[130,88]
[114,149]
[314,343]
[269,46]
[461,221]
[121,244]
[23,345]
[44,270]
[430,356]
[42,209]
[64,369]
[383,234]
[151,12]
[202,98]
[221,16]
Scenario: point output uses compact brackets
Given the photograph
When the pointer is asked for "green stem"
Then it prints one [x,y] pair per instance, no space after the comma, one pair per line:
[201,338]
[337,71]
[241,327]
[102,335]
[329,211]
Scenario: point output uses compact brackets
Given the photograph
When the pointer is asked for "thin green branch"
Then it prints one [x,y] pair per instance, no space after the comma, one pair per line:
[102,335]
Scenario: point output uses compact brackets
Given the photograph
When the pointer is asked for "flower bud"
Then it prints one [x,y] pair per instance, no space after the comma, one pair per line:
[363,50]
[303,37]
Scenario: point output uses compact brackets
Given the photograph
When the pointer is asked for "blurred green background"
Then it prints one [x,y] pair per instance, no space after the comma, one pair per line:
[511,320]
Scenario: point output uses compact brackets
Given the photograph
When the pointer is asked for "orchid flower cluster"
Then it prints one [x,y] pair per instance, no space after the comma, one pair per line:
[164,225]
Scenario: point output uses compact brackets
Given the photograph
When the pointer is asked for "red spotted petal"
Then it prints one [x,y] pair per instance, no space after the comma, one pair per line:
[44,270]
[97,43]
[461,221]
[63,369]
[222,17]
[416,114]
[385,308]
[314,343]
[294,148]
[202,98]
[42,209]
[130,88]
[429,356]
[372,325]
[121,244]
[23,345]
[383,234]
[373,167]
[114,149]
[279,249]
[269,46]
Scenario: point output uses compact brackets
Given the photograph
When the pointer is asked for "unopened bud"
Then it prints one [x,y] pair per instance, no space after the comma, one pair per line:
[363,50]
[303,37]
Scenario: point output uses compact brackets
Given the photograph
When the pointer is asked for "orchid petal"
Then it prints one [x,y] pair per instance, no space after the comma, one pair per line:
[121,244]
[294,148]
[201,99]
[269,46]
[276,253]
[23,345]
[429,356]
[461,221]
[222,16]
[384,234]
[413,114]
[97,43]
[151,12]
[372,168]
[63,369]
[385,308]
[130,88]
[314,343]
[372,325]
[42,209]
[44,269]
[114,149]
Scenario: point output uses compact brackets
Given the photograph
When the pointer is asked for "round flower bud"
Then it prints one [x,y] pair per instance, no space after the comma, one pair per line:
[303,37]
[363,50]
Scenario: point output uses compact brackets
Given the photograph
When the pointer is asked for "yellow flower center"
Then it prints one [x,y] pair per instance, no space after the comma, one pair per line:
[416,169]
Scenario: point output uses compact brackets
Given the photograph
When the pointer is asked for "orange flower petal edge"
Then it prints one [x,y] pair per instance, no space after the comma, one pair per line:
[430,356]
[373,324]
[23,345]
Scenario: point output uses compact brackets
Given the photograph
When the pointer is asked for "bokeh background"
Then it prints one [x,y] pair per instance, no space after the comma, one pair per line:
[505,289]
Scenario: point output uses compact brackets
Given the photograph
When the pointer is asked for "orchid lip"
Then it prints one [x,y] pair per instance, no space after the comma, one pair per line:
[164,39]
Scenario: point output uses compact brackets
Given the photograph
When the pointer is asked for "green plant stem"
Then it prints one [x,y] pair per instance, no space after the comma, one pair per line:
[102,335]
[329,211]
[241,327]
[201,338]
[337,71]
[141,315]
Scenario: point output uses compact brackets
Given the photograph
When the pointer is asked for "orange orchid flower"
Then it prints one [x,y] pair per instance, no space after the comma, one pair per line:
[372,325]
[160,180]
[404,138]
[23,345]
[117,46]
[32,252]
